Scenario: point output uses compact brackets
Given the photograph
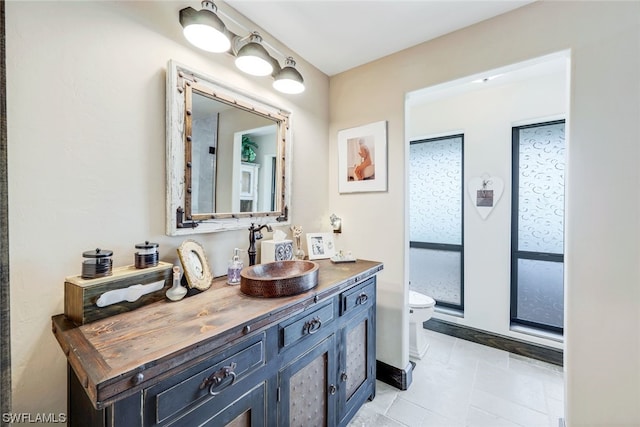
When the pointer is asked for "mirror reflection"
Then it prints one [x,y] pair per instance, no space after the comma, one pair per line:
[233,158]
[227,156]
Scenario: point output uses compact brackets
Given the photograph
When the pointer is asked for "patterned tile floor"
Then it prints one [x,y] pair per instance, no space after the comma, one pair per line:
[460,383]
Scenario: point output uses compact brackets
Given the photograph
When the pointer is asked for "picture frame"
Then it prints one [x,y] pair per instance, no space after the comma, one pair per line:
[195,265]
[320,245]
[362,158]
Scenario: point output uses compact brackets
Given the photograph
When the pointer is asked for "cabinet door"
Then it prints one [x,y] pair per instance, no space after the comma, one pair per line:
[357,359]
[249,187]
[357,365]
[307,388]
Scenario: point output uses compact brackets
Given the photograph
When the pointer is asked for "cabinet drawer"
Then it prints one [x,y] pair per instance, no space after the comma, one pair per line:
[358,297]
[206,383]
[309,324]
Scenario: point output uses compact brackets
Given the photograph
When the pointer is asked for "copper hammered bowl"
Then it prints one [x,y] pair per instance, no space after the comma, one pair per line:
[279,278]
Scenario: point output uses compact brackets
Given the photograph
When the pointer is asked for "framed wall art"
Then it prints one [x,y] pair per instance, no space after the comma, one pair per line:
[320,245]
[362,158]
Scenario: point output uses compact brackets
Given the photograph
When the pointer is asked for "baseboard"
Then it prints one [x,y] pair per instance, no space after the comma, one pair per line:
[512,345]
[396,377]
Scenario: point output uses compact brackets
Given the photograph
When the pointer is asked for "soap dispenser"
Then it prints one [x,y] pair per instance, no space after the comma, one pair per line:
[235,266]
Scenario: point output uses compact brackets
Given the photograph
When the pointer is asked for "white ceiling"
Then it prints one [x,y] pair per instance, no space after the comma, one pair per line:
[337,35]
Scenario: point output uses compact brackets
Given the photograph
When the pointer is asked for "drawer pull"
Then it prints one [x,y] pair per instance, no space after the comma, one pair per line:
[362,298]
[332,389]
[312,326]
[215,379]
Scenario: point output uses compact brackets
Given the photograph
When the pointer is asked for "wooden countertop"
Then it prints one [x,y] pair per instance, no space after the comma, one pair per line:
[118,355]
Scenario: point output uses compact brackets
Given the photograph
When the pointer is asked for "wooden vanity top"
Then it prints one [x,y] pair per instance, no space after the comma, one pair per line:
[118,355]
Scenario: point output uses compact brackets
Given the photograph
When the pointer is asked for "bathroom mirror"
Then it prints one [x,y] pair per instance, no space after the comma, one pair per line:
[227,155]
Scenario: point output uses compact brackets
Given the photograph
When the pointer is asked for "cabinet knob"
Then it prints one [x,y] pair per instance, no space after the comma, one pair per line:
[137,378]
[344,377]
[332,389]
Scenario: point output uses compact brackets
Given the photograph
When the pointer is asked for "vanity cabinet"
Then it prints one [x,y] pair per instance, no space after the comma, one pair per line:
[296,361]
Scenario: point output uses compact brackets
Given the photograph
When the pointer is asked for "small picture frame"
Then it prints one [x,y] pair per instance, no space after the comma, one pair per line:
[320,245]
[195,265]
[484,198]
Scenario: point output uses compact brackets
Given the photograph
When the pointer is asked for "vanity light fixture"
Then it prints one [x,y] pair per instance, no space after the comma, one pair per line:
[205,30]
[253,58]
[336,223]
[289,80]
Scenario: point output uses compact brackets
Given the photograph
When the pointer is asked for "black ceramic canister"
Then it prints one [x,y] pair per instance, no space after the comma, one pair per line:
[147,255]
[98,263]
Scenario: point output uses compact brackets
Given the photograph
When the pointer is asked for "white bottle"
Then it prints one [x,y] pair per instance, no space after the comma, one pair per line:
[177,291]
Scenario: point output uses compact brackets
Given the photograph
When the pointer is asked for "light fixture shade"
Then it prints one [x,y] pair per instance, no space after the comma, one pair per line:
[253,58]
[204,29]
[289,80]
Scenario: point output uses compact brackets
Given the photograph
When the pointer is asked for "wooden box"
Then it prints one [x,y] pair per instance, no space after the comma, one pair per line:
[128,288]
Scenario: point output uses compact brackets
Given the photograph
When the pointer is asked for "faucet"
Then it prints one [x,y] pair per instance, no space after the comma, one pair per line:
[255,234]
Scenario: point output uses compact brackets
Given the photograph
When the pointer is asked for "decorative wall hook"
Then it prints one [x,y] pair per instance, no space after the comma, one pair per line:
[485,192]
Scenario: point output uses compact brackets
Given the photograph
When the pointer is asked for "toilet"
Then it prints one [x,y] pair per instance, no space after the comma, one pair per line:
[420,310]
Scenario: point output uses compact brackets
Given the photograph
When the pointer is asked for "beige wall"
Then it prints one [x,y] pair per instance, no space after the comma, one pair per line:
[86,130]
[602,323]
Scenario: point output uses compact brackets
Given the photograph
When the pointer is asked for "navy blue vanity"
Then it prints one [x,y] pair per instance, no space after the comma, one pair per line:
[224,358]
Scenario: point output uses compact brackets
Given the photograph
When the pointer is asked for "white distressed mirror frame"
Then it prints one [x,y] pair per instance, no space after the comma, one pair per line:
[177,75]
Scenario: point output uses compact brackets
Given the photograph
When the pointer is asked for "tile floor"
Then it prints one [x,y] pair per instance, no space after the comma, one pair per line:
[460,383]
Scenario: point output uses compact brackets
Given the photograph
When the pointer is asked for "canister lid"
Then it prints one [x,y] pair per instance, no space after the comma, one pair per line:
[97,253]
[146,245]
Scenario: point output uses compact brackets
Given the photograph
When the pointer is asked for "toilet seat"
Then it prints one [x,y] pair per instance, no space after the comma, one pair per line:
[418,300]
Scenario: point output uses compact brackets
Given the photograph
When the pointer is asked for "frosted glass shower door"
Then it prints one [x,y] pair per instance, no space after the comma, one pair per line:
[435,219]
[537,268]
